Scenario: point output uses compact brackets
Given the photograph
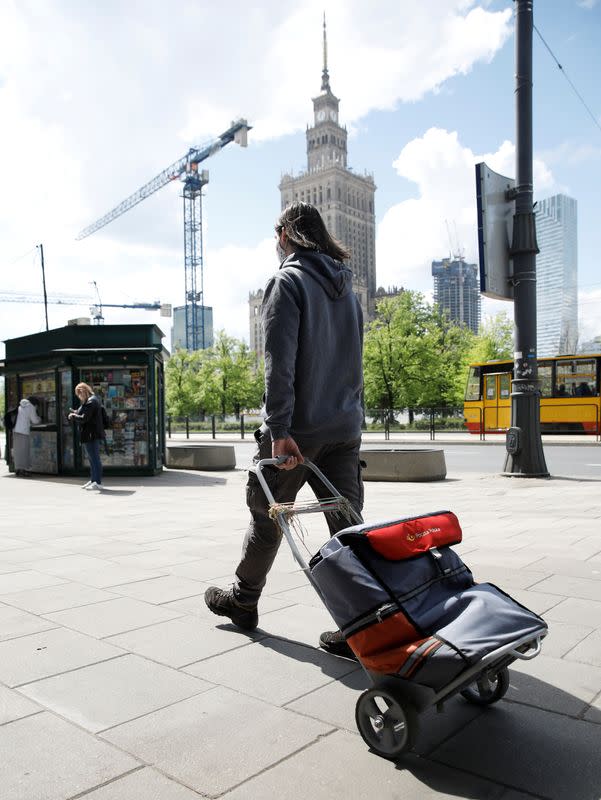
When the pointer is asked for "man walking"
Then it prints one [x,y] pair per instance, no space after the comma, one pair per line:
[313,328]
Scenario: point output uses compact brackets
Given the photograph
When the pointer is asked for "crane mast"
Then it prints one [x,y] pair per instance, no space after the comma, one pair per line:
[185,169]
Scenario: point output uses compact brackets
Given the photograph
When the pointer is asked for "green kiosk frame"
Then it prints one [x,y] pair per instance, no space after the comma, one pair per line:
[124,364]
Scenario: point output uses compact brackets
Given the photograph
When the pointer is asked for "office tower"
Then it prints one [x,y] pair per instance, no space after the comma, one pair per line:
[557,275]
[178,330]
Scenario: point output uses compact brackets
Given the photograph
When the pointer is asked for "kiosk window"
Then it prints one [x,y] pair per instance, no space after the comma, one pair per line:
[504,386]
[491,387]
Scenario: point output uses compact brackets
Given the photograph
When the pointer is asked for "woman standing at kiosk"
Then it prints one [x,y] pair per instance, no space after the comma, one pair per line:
[89,416]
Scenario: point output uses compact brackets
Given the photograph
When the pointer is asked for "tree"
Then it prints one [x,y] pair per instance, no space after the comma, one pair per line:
[181,383]
[228,379]
[494,340]
[412,354]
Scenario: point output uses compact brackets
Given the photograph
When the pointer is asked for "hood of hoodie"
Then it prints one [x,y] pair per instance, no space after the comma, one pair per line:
[332,275]
[24,402]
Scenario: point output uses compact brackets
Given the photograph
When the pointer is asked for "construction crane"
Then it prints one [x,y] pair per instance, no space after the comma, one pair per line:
[75,300]
[186,170]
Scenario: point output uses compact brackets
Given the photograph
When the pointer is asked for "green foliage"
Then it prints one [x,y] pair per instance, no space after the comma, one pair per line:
[494,340]
[220,380]
[181,382]
[413,355]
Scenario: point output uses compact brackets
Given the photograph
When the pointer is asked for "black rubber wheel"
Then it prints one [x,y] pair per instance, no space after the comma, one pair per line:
[487,689]
[387,723]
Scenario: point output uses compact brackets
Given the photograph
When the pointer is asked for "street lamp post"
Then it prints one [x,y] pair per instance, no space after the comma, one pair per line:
[525,457]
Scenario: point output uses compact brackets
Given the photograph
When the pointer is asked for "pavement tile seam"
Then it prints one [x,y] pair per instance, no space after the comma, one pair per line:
[596,699]
[584,638]
[25,716]
[184,667]
[66,671]
[23,635]
[58,610]
[88,792]
[207,688]
[288,757]
[579,716]
[109,635]
[474,774]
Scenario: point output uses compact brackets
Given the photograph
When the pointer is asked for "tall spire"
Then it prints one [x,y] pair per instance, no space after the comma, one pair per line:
[325,78]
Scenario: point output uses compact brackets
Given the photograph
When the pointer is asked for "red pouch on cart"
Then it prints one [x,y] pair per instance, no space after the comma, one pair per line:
[408,538]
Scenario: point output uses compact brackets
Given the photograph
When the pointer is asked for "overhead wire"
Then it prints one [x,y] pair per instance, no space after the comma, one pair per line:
[19,258]
[566,76]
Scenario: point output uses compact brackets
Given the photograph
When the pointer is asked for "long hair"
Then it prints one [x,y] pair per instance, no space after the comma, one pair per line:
[305,228]
[86,388]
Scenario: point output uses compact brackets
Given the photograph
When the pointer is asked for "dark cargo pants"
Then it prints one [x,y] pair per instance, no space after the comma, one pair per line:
[339,462]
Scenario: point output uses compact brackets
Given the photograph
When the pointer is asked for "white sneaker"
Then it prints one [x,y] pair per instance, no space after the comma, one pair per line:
[94,487]
[87,485]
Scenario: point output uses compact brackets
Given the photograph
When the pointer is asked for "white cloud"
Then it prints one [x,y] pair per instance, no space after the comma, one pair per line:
[99,98]
[588,4]
[414,233]
[589,312]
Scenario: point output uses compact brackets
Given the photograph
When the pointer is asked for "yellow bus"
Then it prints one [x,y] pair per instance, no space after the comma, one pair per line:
[569,400]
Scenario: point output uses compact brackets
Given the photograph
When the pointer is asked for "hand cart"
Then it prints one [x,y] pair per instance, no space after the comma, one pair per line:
[387,714]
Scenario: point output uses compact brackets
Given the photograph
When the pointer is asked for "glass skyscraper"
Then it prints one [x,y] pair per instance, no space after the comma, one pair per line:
[557,276]
[178,331]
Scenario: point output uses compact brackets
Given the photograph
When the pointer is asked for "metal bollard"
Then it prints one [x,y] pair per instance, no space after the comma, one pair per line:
[213,428]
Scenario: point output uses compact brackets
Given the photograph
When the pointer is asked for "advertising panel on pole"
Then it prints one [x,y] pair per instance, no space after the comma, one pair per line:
[495,227]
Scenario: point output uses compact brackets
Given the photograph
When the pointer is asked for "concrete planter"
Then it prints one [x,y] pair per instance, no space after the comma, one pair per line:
[404,465]
[201,456]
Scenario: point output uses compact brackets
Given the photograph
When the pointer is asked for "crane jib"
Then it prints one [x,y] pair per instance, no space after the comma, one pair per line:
[193,261]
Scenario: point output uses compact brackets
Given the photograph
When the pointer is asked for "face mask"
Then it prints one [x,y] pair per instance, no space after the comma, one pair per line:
[281,253]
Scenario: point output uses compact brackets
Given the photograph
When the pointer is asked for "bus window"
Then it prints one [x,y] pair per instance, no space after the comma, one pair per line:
[491,387]
[578,378]
[472,390]
[504,386]
[546,383]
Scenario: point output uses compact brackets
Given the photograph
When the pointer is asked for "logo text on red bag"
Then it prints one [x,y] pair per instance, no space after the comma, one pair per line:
[411,537]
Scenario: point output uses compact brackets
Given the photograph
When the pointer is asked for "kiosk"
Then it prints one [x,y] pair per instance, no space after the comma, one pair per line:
[124,366]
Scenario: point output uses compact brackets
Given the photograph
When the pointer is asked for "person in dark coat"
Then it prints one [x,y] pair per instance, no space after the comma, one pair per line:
[313,328]
[89,417]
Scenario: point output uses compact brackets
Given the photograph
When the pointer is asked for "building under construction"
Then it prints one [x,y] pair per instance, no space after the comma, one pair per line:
[457,291]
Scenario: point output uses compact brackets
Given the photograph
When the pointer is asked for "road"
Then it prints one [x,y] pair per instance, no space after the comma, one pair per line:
[488,459]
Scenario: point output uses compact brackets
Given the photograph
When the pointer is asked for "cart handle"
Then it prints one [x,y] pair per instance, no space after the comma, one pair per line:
[529,653]
[272,462]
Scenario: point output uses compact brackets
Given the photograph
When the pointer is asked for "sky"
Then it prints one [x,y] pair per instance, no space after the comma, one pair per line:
[96,99]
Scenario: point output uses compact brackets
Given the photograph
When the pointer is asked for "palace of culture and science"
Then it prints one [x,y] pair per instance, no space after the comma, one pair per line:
[344,199]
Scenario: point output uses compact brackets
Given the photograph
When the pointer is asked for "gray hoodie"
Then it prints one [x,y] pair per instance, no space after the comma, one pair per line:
[313,328]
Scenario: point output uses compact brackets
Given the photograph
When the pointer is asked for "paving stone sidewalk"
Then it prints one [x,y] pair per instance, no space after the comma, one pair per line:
[116,683]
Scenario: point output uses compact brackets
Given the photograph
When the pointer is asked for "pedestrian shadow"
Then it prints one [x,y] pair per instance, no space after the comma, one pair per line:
[574,479]
[332,666]
[188,478]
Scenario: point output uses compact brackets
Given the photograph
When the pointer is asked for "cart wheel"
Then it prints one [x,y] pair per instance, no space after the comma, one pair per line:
[387,724]
[485,692]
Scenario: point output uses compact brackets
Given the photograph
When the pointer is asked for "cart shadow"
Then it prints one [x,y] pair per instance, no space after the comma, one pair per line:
[544,748]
